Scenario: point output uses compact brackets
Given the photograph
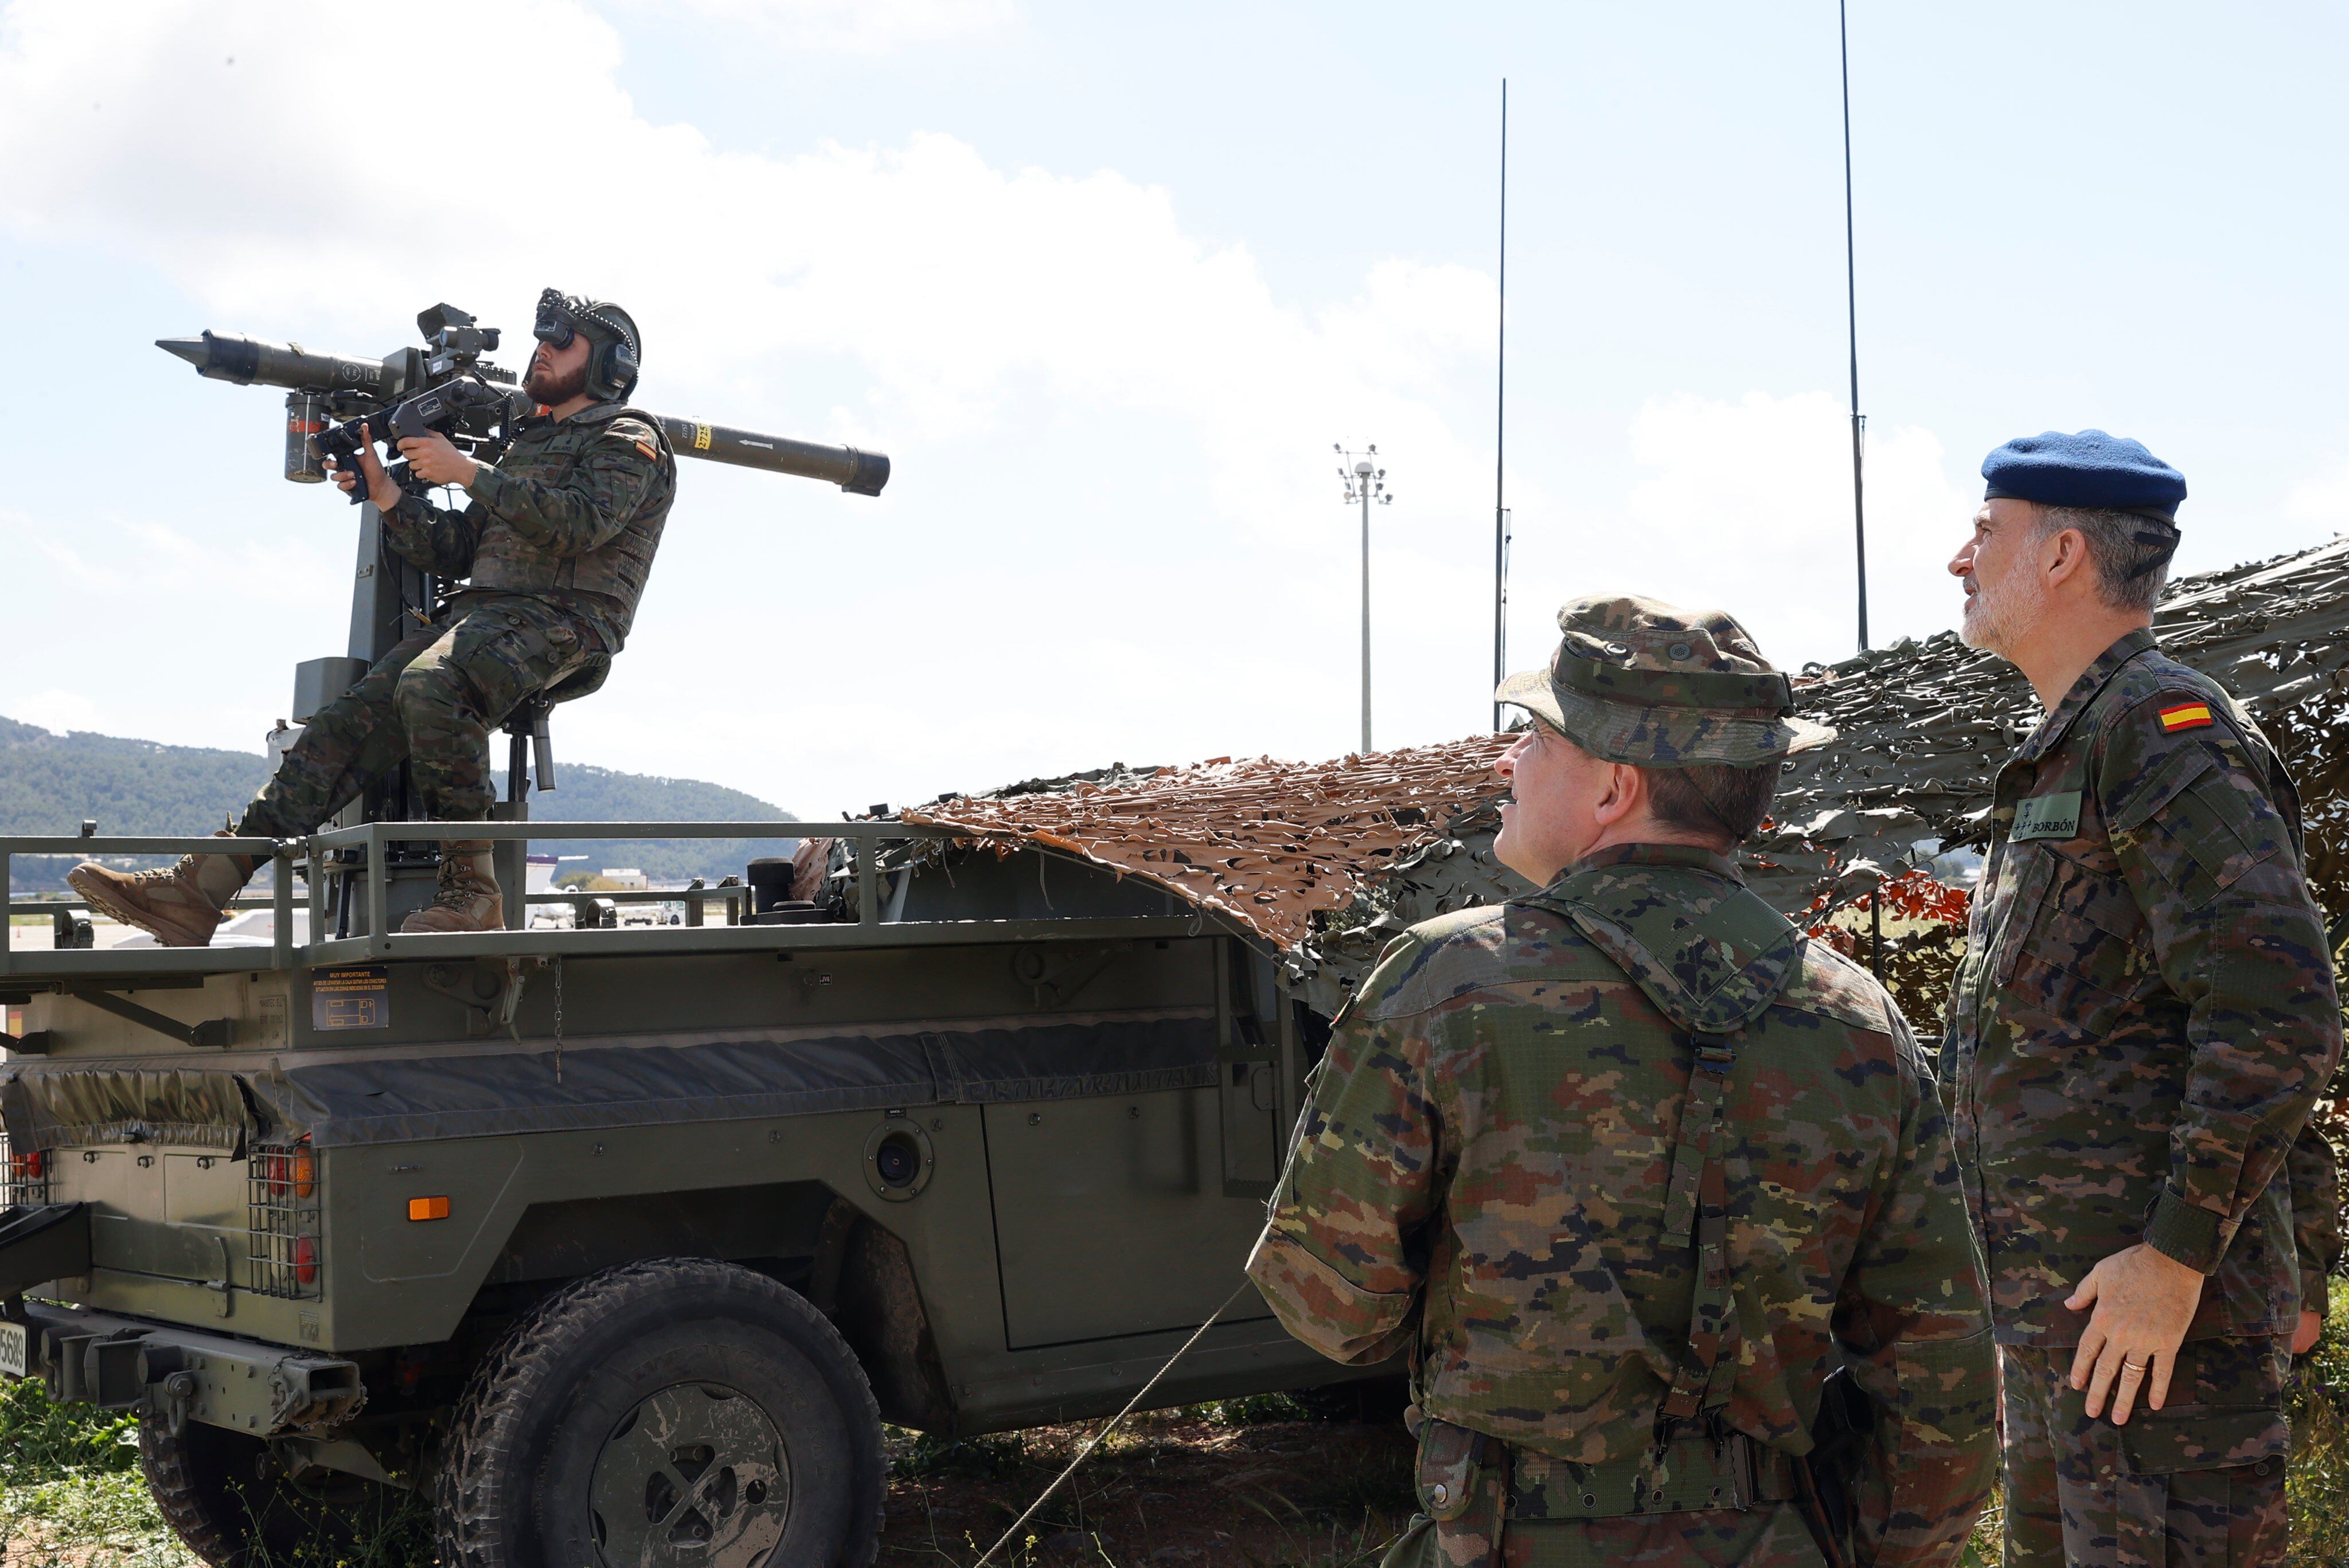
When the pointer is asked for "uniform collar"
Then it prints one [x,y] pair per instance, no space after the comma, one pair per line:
[1690,857]
[2094,678]
[593,414]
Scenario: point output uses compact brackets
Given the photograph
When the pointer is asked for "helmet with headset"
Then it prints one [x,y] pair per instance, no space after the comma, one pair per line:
[616,352]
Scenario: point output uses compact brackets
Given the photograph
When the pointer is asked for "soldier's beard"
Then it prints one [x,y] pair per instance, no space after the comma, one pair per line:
[1997,621]
[551,389]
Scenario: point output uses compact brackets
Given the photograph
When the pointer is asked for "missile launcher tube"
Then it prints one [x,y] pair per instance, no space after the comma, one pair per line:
[859,473]
[248,360]
[224,357]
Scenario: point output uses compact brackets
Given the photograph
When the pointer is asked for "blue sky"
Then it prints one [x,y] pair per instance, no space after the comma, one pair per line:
[1107,284]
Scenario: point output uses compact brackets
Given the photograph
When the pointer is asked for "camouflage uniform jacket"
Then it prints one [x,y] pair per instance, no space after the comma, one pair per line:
[2315,1183]
[1481,1178]
[2145,1012]
[572,515]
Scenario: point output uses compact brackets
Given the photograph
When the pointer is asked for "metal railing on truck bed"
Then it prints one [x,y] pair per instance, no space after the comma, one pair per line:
[870,927]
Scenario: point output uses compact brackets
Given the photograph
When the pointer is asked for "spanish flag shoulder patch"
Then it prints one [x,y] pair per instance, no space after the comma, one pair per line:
[2185,715]
[646,448]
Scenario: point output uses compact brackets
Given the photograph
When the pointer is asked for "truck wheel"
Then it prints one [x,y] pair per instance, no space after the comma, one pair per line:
[228,1500]
[675,1413]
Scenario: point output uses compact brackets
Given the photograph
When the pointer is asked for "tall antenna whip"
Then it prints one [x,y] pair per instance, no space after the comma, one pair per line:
[1858,425]
[1851,310]
[1501,434]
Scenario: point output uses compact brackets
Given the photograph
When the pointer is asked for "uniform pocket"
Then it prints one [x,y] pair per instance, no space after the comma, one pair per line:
[1448,1464]
[2167,1462]
[1461,1494]
[2085,949]
[2200,827]
[2189,1437]
[2010,922]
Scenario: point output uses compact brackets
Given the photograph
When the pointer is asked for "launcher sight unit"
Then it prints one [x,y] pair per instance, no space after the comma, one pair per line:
[447,386]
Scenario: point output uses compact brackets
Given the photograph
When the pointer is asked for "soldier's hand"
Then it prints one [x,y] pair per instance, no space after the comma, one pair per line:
[2143,1301]
[380,490]
[435,459]
[2304,1337]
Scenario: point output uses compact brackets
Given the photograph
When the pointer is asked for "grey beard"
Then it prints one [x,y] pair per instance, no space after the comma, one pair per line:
[1994,626]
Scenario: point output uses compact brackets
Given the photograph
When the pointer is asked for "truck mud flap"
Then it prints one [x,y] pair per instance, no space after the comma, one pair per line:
[42,1242]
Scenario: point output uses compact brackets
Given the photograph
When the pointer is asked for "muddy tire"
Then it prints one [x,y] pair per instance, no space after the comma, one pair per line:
[228,1500]
[677,1413]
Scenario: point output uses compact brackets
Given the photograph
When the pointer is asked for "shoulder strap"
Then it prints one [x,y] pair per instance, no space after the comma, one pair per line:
[1713,960]
[605,413]
[1698,1193]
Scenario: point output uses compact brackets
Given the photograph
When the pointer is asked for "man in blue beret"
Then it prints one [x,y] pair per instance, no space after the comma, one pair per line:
[2143,1018]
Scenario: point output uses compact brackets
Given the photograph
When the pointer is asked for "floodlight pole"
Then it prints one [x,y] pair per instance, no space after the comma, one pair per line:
[1365,482]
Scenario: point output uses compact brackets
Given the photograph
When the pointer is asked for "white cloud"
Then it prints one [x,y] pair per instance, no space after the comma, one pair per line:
[1112,531]
[1110,525]
[1746,506]
[845,26]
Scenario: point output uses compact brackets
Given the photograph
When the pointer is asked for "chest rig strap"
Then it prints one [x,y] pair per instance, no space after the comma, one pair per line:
[1696,1204]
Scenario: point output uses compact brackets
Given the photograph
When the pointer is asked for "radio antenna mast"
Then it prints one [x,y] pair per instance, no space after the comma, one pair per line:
[1501,433]
[1851,318]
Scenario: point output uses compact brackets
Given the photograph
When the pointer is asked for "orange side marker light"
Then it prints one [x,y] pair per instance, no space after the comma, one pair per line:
[427,1208]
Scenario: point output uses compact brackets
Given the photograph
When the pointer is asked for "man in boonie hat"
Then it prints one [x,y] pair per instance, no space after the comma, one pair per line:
[1628,1168]
[2143,1019]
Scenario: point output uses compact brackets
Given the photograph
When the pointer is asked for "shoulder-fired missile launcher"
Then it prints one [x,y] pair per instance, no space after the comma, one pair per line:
[327,392]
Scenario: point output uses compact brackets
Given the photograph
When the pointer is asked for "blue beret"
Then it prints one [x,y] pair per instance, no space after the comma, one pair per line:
[2089,469]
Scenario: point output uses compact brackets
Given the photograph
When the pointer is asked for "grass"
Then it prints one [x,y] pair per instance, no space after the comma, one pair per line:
[71,1492]
[71,1495]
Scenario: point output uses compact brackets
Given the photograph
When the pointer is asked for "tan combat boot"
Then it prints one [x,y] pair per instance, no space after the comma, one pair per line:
[469,898]
[180,907]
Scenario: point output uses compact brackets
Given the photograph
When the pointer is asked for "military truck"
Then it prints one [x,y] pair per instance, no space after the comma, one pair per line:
[621,1244]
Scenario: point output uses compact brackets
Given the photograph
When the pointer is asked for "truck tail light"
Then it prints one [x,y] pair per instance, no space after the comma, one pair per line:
[283,1256]
[24,1178]
[287,1170]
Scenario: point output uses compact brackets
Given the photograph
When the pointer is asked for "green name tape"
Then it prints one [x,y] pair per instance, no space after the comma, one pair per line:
[2055,816]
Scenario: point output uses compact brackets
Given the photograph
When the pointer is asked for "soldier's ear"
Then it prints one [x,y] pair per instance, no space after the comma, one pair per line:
[2063,556]
[1624,794]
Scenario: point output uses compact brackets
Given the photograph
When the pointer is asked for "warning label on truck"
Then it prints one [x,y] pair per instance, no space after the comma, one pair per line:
[354,998]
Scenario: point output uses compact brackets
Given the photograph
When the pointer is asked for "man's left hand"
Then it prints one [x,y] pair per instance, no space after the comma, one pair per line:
[435,459]
[2143,1303]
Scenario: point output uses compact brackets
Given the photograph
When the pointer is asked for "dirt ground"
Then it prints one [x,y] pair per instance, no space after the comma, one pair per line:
[1173,1489]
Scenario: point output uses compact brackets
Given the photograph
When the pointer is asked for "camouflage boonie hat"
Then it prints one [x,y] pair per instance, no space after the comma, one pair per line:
[1636,681]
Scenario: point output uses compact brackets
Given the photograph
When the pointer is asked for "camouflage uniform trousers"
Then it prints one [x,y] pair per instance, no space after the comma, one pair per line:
[433,701]
[2196,1484]
[1769,1535]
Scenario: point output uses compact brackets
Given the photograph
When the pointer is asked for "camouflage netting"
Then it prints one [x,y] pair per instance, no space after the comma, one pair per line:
[1926,724]
[1324,863]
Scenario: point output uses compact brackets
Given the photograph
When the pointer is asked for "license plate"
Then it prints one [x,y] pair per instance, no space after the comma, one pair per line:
[12,1349]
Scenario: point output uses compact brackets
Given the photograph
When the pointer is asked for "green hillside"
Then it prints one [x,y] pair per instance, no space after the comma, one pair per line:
[51,783]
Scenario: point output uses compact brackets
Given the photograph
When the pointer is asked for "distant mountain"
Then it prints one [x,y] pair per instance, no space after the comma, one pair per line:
[50,783]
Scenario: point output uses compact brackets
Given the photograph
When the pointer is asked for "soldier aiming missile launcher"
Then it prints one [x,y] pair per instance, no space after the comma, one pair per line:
[336,402]
[327,392]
